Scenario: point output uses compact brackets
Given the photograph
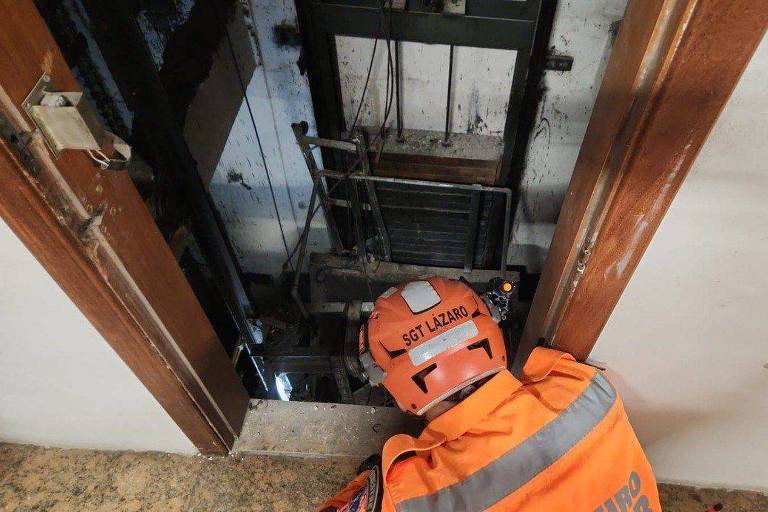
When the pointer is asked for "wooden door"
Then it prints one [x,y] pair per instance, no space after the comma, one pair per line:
[91,231]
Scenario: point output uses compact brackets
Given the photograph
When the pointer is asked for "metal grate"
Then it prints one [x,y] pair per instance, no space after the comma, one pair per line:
[430,226]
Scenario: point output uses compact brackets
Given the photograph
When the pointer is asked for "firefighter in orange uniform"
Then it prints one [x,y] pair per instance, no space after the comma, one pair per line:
[558,439]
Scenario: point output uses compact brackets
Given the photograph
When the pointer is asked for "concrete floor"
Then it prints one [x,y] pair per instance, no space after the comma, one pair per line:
[57,480]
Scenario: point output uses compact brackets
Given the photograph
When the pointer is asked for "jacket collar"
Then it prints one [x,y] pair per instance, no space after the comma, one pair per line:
[460,418]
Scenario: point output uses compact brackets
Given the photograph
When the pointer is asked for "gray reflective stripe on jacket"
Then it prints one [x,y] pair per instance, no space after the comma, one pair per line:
[511,471]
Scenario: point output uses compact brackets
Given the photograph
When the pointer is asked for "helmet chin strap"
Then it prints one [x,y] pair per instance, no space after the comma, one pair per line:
[438,409]
[456,389]
[446,405]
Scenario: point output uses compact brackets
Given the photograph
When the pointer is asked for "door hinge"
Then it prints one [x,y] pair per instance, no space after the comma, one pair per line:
[66,121]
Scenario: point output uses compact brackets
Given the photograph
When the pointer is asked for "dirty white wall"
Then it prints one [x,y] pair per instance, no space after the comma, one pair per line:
[585,31]
[687,342]
[249,160]
[60,382]
[278,95]
[480,88]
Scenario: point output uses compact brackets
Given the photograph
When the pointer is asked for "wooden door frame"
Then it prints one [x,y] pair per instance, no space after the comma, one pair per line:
[673,67]
[93,234]
[643,137]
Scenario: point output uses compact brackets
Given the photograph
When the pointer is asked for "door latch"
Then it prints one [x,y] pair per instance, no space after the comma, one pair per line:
[66,121]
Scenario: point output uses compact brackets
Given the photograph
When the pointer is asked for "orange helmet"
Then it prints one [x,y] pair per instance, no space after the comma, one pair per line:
[426,340]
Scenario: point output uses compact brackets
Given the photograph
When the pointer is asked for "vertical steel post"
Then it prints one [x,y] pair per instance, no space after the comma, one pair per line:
[397,94]
[507,233]
[303,247]
[447,142]
[357,216]
[474,214]
[373,199]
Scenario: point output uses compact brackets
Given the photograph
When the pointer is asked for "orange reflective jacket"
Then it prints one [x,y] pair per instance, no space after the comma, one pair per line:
[559,440]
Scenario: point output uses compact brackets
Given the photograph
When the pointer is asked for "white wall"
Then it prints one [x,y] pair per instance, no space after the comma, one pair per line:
[688,341]
[584,31]
[61,384]
[482,78]
[279,95]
